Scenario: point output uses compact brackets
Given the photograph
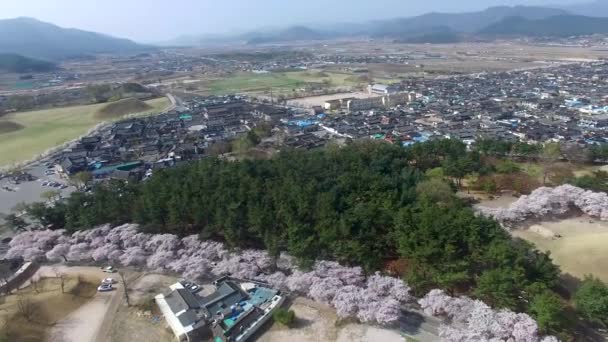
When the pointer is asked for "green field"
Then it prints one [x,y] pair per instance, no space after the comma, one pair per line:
[250,82]
[45,129]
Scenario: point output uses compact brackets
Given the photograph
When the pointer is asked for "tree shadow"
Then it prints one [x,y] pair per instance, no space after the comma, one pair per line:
[301,323]
[411,322]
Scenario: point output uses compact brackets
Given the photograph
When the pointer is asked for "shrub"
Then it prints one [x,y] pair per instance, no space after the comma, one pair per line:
[284,317]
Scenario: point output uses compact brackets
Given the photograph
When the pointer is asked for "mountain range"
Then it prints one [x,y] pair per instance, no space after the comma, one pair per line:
[556,26]
[445,27]
[18,64]
[36,39]
[598,8]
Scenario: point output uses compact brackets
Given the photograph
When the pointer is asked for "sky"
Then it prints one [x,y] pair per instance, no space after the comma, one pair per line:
[160,20]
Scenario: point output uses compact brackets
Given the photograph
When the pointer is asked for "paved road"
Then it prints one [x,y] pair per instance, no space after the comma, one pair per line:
[176,103]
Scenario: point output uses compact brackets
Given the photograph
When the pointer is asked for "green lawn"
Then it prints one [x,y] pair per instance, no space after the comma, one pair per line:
[250,82]
[45,129]
[246,82]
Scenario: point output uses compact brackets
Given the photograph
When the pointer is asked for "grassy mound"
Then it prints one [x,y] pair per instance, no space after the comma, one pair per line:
[10,126]
[122,108]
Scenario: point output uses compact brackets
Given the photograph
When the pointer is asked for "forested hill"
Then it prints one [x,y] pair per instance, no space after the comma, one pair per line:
[36,39]
[364,204]
[557,26]
[19,64]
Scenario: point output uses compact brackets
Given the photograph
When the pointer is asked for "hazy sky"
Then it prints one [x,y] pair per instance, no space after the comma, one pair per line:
[158,20]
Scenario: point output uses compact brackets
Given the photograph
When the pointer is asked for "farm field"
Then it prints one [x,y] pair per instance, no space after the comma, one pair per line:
[45,129]
[283,81]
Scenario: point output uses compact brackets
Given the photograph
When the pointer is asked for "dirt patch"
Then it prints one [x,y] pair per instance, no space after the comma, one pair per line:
[133,324]
[498,202]
[143,321]
[148,286]
[314,322]
[32,311]
[9,127]
[317,322]
[121,108]
[362,333]
[578,245]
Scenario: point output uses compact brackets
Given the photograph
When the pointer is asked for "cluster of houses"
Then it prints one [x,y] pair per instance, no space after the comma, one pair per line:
[567,103]
[233,311]
[133,148]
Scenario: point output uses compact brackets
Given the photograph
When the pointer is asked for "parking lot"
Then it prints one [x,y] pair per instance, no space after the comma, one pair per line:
[12,194]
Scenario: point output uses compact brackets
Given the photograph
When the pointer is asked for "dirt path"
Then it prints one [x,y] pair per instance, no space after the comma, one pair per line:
[84,324]
[87,323]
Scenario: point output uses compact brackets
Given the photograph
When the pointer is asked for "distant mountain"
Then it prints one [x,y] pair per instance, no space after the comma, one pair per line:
[432,27]
[32,38]
[460,22]
[557,26]
[438,35]
[19,64]
[295,33]
[597,8]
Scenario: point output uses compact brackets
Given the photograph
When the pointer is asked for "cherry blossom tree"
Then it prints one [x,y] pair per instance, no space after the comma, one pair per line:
[473,320]
[546,201]
[389,287]
[377,299]
[276,280]
[163,242]
[59,252]
[347,301]
[324,290]
[80,252]
[160,260]
[133,256]
[301,282]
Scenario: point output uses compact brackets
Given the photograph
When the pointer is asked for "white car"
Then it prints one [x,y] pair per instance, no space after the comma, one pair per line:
[108,281]
[104,288]
[108,269]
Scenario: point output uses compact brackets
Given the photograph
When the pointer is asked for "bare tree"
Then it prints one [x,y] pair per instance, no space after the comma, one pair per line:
[126,288]
[35,281]
[61,276]
[80,279]
[25,308]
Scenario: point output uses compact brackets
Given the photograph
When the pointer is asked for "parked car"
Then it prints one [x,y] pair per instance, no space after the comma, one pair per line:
[107,281]
[194,288]
[104,288]
[108,269]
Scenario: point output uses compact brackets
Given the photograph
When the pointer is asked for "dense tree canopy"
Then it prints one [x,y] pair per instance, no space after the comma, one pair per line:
[363,204]
[592,300]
